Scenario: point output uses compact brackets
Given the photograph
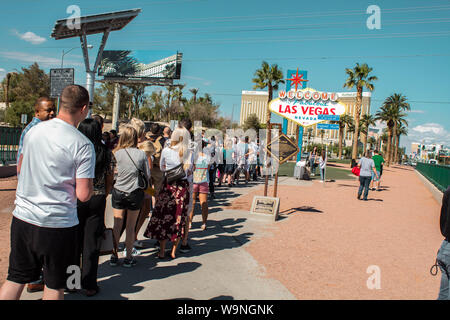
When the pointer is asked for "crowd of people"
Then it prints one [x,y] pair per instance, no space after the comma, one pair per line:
[66,169]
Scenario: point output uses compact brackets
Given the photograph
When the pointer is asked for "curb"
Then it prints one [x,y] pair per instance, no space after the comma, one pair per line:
[437,194]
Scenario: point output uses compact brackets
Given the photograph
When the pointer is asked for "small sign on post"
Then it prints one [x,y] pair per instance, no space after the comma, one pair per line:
[59,79]
[266,207]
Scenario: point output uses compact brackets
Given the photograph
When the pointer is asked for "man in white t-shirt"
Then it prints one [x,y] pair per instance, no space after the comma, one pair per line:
[57,168]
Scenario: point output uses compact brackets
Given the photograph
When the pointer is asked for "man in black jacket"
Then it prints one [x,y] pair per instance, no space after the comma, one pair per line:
[443,256]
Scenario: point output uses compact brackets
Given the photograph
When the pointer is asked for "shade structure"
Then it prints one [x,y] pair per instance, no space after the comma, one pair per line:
[94,24]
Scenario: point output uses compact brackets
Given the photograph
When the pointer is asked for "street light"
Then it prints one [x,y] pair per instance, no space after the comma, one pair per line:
[89,46]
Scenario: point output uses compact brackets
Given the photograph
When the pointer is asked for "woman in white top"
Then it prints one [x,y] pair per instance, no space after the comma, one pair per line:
[169,219]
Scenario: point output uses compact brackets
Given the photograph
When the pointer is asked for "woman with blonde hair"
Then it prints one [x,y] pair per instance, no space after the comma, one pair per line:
[127,194]
[169,218]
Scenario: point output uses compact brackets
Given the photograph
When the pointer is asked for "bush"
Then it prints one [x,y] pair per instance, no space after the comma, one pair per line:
[15,111]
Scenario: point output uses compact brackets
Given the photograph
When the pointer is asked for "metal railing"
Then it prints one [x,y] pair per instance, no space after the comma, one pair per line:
[436,174]
[9,144]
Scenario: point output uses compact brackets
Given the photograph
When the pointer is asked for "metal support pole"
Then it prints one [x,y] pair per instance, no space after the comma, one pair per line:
[116,104]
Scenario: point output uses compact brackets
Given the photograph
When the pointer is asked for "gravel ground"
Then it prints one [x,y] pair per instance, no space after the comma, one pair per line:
[326,239]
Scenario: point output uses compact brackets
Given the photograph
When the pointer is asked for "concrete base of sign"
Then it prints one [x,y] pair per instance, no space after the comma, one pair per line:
[265,207]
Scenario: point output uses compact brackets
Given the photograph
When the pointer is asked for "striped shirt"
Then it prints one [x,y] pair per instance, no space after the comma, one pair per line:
[33,122]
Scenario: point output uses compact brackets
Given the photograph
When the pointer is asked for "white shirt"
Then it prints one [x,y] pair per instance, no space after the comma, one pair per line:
[55,154]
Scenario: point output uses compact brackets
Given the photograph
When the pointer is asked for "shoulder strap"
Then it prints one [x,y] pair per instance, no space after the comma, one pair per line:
[131,159]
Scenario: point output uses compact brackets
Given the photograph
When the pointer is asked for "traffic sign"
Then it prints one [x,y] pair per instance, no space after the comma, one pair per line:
[59,79]
[286,148]
[23,118]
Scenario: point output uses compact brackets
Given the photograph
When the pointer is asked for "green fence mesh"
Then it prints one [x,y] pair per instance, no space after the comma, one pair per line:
[436,174]
[9,143]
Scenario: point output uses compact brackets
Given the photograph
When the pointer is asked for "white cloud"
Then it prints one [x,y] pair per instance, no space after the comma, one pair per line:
[2,70]
[29,37]
[41,60]
[416,111]
[430,133]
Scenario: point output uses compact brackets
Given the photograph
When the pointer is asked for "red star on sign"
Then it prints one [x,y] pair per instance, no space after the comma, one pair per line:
[297,79]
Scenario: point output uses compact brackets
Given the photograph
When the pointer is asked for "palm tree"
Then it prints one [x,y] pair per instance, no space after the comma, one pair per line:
[397,101]
[372,141]
[359,77]
[321,134]
[367,120]
[345,120]
[402,129]
[268,77]
[391,115]
[194,91]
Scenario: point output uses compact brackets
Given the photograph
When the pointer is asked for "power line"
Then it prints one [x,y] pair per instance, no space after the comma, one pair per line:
[290,27]
[296,39]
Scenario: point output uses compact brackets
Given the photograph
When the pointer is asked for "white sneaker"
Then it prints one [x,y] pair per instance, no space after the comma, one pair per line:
[134,253]
[321,181]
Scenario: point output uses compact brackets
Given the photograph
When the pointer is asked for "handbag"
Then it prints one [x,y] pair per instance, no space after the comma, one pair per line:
[356,171]
[108,244]
[142,178]
[175,174]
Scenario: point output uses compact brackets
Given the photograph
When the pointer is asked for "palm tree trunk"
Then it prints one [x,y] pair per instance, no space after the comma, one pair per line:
[365,143]
[388,147]
[397,144]
[357,115]
[341,132]
[269,135]
[393,147]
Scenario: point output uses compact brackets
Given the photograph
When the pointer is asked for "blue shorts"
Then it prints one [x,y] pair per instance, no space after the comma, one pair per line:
[374,178]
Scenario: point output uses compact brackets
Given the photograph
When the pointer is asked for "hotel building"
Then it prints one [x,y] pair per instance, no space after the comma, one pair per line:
[256,102]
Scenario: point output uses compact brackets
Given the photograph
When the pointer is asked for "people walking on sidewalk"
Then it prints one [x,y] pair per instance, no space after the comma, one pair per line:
[378,160]
[322,165]
[367,166]
[91,214]
[58,166]
[170,216]
[128,194]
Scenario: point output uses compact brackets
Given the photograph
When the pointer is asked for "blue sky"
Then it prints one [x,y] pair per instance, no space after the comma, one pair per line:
[224,42]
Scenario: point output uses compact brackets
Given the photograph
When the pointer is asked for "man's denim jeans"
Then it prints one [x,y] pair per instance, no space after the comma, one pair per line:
[364,183]
[443,258]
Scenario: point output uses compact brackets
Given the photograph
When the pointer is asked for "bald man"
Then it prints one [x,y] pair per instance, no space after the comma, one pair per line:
[44,109]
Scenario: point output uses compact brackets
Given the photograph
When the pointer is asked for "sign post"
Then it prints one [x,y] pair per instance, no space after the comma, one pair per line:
[296,78]
[286,149]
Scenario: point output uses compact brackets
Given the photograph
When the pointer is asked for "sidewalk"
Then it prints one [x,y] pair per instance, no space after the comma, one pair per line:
[218,267]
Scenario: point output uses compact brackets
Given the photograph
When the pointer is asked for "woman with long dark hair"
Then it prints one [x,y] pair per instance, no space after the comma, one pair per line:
[91,214]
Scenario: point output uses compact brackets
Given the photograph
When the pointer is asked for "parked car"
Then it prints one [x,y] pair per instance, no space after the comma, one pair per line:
[433,161]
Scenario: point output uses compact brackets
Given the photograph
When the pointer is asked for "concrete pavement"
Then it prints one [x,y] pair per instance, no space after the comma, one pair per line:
[218,267]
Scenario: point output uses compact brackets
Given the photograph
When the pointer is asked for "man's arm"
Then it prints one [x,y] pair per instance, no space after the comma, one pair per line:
[19,163]
[84,188]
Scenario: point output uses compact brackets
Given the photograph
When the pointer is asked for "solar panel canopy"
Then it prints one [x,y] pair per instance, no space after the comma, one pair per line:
[94,24]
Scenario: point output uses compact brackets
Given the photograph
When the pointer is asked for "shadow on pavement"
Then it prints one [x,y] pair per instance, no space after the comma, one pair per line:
[300,209]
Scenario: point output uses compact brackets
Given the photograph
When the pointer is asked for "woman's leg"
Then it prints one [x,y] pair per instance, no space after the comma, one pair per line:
[361,186]
[118,222]
[204,205]
[162,247]
[189,222]
[93,230]
[130,231]
[143,214]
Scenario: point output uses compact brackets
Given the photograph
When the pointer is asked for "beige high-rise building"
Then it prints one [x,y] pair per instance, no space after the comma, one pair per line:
[256,102]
